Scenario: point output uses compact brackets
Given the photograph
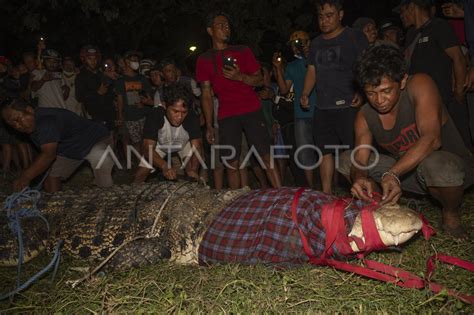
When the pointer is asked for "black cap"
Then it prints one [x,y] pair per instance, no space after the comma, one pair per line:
[131,53]
[50,54]
[424,3]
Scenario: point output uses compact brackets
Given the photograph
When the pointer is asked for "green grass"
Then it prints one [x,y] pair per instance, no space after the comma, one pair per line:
[168,288]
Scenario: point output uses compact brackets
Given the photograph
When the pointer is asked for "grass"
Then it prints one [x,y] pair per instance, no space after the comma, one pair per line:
[168,288]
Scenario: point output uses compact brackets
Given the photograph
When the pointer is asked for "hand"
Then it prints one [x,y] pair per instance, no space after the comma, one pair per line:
[232,73]
[20,183]
[41,45]
[48,76]
[391,190]
[452,10]
[363,187]
[469,82]
[111,74]
[147,100]
[277,61]
[265,94]
[103,88]
[304,101]
[210,134]
[357,100]
[169,173]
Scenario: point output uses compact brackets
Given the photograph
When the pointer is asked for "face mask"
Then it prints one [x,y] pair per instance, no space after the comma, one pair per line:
[69,74]
[134,65]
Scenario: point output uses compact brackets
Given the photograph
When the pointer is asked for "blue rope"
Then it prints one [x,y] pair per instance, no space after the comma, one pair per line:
[12,201]
[53,263]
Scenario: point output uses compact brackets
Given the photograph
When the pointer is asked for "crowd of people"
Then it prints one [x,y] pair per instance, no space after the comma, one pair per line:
[403,89]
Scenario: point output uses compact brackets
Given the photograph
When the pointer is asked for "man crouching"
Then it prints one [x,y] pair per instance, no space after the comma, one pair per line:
[65,141]
[174,129]
[407,119]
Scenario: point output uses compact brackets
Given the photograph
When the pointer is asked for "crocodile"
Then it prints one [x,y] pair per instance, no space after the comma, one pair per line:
[150,222]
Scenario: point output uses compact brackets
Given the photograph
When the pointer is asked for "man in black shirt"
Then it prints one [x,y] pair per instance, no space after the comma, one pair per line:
[173,129]
[94,89]
[65,141]
[330,60]
[433,48]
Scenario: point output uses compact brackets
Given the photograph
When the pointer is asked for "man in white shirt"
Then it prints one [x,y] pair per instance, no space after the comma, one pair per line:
[47,84]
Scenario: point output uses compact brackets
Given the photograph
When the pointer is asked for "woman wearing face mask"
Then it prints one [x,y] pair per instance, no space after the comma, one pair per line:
[133,99]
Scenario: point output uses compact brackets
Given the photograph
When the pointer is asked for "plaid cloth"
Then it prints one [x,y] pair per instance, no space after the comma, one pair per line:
[257,228]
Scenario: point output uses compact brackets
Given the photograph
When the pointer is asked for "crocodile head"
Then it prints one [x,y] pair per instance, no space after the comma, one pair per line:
[396,224]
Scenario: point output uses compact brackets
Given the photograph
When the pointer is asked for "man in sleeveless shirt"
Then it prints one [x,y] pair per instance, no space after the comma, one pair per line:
[423,152]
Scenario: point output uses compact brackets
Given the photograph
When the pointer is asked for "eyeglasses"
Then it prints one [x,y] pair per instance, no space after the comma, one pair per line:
[222,25]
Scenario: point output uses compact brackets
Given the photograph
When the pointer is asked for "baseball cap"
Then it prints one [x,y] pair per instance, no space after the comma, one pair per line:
[89,50]
[50,54]
[387,25]
[417,2]
[147,63]
[131,53]
[361,22]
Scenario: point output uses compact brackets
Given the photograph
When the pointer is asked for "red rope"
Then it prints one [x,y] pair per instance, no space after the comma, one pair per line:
[332,218]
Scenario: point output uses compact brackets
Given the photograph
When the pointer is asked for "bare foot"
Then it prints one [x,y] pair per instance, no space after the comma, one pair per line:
[451,225]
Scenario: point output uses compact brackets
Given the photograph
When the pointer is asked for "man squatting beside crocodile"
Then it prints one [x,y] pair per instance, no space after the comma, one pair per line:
[65,140]
[406,117]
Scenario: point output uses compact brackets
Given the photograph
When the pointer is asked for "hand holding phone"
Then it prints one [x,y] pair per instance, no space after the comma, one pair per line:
[229,61]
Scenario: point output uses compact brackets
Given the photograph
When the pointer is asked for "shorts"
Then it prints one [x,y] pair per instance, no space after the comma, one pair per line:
[439,169]
[134,130]
[101,164]
[334,127]
[254,128]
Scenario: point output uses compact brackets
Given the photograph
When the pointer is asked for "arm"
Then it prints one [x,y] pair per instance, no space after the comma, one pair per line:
[208,108]
[192,166]
[459,69]
[149,146]
[363,186]
[428,111]
[39,166]
[37,84]
[283,85]
[119,107]
[309,82]
[233,73]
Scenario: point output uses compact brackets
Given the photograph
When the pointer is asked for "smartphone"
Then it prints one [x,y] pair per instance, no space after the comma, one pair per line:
[229,61]
[299,45]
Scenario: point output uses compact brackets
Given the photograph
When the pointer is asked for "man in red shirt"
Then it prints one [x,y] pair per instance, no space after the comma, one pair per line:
[231,72]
